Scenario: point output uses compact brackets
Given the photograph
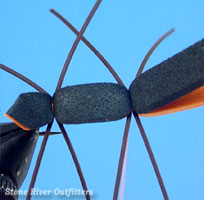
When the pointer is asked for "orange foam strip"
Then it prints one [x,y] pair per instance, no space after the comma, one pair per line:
[17,123]
[192,100]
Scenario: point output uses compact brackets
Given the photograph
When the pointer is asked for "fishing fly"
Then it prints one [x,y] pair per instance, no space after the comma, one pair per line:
[174,85]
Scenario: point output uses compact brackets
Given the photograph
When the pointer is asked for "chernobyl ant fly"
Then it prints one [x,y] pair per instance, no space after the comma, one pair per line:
[174,85]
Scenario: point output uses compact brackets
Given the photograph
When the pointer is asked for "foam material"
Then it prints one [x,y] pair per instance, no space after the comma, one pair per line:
[170,80]
[32,110]
[87,103]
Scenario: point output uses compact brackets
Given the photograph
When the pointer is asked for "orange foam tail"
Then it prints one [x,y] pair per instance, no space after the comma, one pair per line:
[192,100]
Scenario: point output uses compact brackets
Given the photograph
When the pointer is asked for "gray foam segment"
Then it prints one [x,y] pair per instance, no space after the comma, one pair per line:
[87,103]
[32,109]
[166,82]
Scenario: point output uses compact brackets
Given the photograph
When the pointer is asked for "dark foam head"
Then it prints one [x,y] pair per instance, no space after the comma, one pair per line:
[31,110]
[166,82]
[87,103]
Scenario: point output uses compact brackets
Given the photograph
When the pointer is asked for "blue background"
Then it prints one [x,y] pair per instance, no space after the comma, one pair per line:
[35,43]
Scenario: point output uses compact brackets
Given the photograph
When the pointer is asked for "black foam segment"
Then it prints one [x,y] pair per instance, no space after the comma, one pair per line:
[87,103]
[166,82]
[32,109]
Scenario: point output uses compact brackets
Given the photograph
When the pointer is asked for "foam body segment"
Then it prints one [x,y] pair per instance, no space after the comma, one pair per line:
[170,80]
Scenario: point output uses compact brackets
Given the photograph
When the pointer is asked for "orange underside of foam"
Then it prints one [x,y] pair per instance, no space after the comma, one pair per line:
[17,123]
[192,100]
